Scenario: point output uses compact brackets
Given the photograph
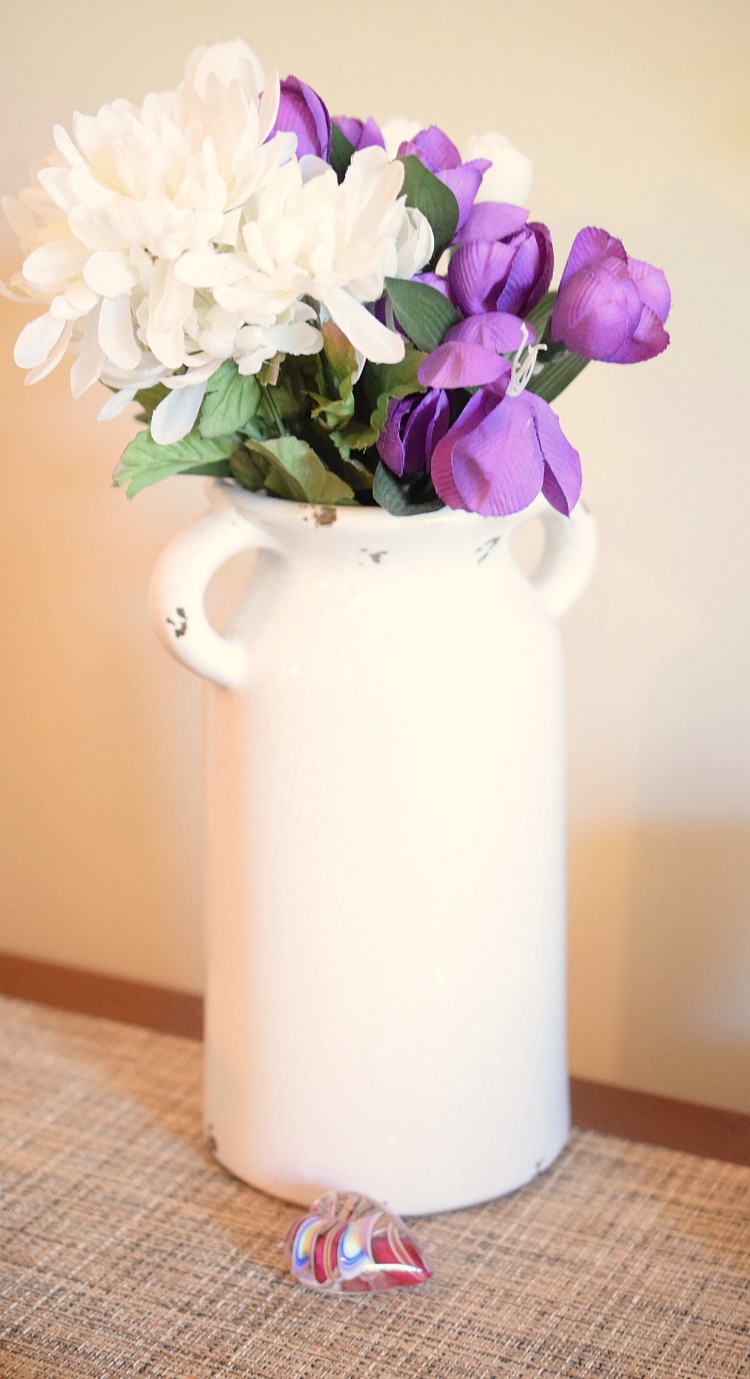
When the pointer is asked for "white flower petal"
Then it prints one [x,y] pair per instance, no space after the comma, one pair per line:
[116,404]
[37,339]
[64,144]
[87,366]
[360,327]
[232,61]
[269,106]
[109,273]
[175,416]
[55,355]
[509,178]
[397,132]
[170,301]
[116,333]
[200,370]
[55,262]
[19,217]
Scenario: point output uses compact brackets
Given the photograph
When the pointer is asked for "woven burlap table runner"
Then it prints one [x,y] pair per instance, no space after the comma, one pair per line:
[125,1250]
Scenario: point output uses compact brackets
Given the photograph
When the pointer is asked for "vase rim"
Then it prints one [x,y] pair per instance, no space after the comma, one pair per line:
[289,512]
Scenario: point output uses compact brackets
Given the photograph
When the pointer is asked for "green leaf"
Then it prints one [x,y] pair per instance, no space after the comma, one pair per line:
[144,462]
[249,470]
[436,201]
[539,317]
[402,500]
[342,152]
[294,471]
[423,312]
[339,351]
[356,435]
[148,400]
[556,375]
[351,470]
[231,401]
[380,382]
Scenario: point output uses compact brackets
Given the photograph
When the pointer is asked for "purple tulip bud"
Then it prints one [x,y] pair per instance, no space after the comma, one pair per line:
[360,133]
[414,426]
[302,112]
[508,274]
[501,453]
[609,306]
[440,155]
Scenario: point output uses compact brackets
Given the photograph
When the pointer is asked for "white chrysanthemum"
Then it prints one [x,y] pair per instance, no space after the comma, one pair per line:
[303,239]
[167,238]
[308,238]
[119,203]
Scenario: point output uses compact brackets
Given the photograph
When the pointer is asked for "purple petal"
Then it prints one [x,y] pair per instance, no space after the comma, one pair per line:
[592,313]
[492,220]
[433,280]
[498,330]
[648,339]
[426,426]
[498,467]
[455,365]
[590,246]
[464,183]
[474,270]
[481,165]
[477,408]
[530,272]
[562,464]
[362,134]
[438,427]
[436,150]
[653,288]
[389,444]
[302,112]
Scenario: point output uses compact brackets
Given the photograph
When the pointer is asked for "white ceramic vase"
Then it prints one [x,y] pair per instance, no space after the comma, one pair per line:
[385,1002]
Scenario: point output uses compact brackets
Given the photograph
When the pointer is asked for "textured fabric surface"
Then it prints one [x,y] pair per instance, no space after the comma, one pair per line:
[125,1250]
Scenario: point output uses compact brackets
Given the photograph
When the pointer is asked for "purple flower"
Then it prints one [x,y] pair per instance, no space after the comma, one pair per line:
[502,452]
[414,426]
[609,306]
[471,353]
[360,133]
[438,153]
[302,112]
[509,270]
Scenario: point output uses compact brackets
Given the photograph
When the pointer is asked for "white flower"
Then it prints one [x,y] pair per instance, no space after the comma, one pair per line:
[509,178]
[118,204]
[308,238]
[167,238]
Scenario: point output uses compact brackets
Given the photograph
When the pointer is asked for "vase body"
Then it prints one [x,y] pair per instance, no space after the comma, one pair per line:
[385,894]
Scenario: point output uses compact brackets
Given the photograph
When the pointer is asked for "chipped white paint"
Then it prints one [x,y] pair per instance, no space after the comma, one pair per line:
[385,846]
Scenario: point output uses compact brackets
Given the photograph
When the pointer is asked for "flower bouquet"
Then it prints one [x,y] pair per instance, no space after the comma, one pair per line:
[318,308]
[358,320]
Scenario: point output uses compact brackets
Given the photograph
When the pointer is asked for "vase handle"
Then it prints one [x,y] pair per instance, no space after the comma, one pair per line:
[178,586]
[568,558]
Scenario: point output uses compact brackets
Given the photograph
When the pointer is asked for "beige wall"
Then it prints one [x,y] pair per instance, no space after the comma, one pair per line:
[637,119]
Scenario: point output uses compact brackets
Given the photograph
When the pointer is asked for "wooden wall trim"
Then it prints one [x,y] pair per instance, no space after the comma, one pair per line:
[93,993]
[632,1115]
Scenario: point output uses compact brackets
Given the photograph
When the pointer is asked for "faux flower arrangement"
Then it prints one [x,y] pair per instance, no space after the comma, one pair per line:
[320,309]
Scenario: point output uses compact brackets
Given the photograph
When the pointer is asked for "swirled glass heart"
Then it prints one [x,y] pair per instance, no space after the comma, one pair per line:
[350,1244]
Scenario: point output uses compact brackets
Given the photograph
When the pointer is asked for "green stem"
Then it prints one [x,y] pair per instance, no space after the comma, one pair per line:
[274,411]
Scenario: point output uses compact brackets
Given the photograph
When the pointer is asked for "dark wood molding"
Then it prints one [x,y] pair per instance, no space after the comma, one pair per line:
[632,1115]
[709,1131]
[93,993]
